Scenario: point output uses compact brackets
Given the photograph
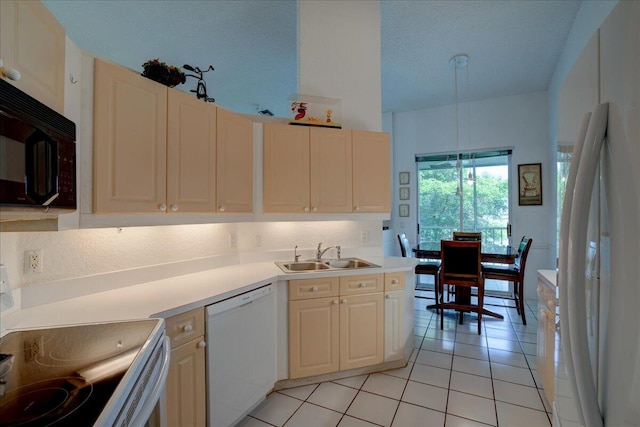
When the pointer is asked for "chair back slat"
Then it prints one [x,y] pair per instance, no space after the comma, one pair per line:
[467,235]
[460,258]
[405,246]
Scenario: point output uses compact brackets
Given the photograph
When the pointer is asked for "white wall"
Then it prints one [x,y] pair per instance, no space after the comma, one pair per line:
[83,253]
[519,122]
[339,57]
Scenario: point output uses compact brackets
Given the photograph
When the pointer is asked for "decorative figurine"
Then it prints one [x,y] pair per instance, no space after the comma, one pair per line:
[301,107]
[329,115]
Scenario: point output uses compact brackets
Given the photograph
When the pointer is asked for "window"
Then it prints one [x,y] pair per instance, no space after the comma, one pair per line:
[465,191]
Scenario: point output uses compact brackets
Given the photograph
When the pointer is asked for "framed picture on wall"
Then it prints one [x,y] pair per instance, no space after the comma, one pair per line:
[530,184]
[404,178]
[405,193]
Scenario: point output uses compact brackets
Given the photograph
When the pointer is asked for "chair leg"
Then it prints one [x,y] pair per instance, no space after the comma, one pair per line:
[436,290]
[441,287]
[521,298]
[480,307]
[516,297]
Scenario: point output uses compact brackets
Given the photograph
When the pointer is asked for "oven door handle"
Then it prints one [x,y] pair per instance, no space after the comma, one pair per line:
[150,403]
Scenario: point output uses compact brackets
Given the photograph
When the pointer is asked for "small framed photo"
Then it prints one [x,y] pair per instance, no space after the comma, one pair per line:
[405,193]
[404,210]
[530,184]
[404,178]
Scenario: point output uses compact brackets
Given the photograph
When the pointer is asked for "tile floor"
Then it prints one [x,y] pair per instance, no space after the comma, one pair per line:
[455,378]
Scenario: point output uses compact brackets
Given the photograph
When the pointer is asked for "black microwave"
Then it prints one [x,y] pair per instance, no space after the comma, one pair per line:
[37,153]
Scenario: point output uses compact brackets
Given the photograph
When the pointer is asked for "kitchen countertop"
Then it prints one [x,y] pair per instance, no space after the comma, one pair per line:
[549,276]
[178,294]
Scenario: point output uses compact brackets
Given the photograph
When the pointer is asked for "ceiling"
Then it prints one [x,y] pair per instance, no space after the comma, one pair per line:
[513,45]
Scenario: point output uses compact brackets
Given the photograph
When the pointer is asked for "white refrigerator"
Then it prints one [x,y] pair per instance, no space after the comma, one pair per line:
[597,379]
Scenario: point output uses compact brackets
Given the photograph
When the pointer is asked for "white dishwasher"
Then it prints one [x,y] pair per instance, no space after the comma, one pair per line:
[241,354]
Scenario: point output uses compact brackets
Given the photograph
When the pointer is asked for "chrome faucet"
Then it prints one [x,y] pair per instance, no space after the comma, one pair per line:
[321,251]
[296,257]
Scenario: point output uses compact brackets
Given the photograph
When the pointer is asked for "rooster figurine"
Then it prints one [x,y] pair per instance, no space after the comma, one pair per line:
[301,107]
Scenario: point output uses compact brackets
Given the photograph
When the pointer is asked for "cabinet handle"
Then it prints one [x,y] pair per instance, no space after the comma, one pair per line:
[174,208]
[10,73]
[543,314]
[314,289]
[334,302]
[363,285]
[315,209]
[388,296]
[344,300]
[187,328]
[356,208]
[221,208]
[306,208]
[163,207]
[202,344]
[395,281]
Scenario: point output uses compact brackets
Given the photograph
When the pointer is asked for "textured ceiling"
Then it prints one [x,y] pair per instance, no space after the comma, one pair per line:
[513,45]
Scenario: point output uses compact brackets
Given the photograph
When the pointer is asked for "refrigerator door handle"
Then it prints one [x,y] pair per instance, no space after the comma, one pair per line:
[576,264]
[564,253]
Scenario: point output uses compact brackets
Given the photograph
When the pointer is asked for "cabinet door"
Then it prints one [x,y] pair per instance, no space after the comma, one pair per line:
[371,172]
[191,154]
[314,337]
[330,170]
[33,42]
[394,325]
[186,385]
[286,187]
[234,188]
[130,141]
[361,330]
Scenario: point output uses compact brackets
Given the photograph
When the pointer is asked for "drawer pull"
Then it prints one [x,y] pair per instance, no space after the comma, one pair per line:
[388,296]
[314,289]
[202,344]
[395,281]
[334,302]
[187,328]
[344,300]
[363,285]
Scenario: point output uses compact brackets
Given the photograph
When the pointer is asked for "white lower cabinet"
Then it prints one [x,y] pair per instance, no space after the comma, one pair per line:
[394,316]
[394,308]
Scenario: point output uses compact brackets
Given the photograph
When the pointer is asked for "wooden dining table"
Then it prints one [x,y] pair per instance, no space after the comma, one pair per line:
[501,255]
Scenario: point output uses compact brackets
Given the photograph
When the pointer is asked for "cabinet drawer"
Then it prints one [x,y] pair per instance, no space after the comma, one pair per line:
[365,284]
[313,288]
[185,327]
[393,281]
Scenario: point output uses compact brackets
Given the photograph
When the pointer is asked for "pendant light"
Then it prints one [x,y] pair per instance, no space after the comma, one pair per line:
[459,63]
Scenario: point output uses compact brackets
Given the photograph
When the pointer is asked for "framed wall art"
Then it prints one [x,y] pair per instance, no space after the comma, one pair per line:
[530,184]
[405,193]
[404,178]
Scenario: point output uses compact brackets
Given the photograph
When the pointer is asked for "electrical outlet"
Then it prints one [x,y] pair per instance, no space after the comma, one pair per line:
[258,240]
[233,241]
[33,261]
[33,347]
[364,236]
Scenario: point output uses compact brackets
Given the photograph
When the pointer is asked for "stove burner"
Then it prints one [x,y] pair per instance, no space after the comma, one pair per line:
[44,403]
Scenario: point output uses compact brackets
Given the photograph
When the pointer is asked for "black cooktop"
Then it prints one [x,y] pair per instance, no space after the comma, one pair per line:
[65,376]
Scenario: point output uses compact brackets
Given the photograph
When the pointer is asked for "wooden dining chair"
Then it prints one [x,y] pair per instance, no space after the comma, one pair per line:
[513,273]
[467,235]
[460,266]
[427,268]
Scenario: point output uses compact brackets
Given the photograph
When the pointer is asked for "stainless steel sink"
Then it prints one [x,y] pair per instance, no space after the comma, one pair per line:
[312,265]
[303,266]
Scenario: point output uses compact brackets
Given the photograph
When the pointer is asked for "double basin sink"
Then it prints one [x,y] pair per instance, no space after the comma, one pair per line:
[314,266]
